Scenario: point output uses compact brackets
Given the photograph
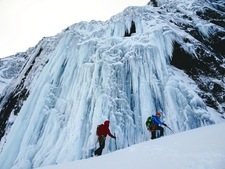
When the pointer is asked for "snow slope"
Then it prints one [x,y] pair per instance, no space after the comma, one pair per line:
[202,148]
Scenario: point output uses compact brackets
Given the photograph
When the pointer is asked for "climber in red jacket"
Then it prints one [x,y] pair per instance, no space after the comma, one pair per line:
[102,132]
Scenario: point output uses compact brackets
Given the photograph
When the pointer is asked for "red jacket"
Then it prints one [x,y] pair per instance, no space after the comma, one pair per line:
[104,130]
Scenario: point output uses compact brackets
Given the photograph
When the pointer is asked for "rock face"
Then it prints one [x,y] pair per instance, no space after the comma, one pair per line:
[208,67]
[166,56]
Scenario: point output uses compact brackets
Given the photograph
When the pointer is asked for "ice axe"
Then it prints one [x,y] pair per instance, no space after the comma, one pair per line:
[115,141]
[168,127]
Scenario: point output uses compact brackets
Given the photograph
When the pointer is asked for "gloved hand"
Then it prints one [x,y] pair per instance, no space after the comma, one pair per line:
[114,137]
[164,124]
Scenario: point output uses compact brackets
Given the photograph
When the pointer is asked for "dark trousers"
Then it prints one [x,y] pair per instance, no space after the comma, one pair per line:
[153,131]
[101,141]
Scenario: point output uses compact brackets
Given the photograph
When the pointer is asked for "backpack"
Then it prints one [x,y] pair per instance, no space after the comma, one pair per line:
[149,122]
[99,130]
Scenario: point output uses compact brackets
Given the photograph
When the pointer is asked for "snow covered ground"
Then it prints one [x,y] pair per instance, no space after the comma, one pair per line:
[201,148]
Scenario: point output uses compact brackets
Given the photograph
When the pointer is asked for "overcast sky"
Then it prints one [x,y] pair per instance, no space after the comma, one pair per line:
[24,22]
